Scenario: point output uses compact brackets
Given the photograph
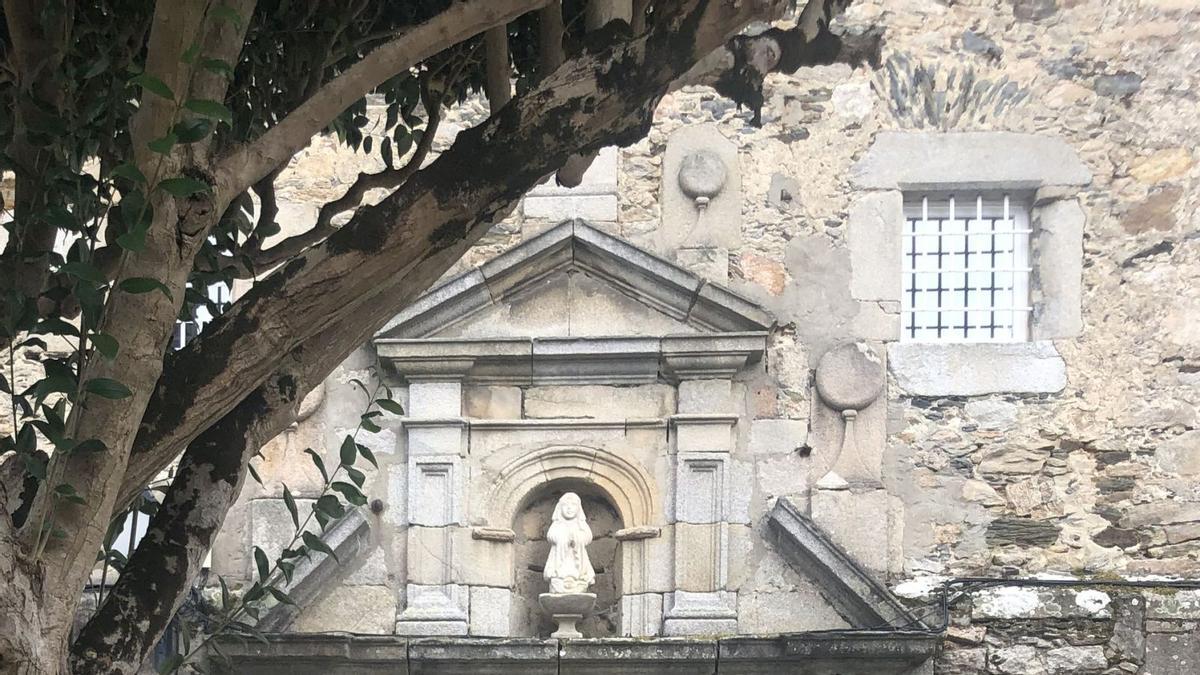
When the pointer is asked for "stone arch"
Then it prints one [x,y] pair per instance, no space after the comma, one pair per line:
[630,488]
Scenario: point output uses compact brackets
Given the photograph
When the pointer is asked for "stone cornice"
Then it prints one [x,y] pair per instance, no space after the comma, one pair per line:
[593,360]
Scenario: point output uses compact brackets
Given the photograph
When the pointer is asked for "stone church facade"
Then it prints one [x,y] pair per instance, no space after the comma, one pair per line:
[903,380]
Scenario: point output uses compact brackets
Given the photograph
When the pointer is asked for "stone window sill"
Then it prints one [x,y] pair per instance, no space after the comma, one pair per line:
[976,369]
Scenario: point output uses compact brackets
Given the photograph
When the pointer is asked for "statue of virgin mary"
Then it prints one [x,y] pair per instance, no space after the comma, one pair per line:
[568,568]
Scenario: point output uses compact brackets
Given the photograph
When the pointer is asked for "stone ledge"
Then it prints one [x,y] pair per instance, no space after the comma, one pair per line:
[824,653]
[975,369]
[968,160]
[594,360]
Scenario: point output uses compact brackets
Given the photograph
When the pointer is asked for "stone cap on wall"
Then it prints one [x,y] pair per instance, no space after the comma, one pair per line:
[657,283]
[851,651]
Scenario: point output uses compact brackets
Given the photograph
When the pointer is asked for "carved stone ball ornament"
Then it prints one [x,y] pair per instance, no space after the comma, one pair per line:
[702,176]
[850,376]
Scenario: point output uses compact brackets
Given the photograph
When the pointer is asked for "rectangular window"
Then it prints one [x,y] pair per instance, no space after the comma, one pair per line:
[966,268]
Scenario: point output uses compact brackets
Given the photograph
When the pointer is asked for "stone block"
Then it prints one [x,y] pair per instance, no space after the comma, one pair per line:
[431,555]
[700,613]
[1172,653]
[1173,604]
[643,568]
[271,526]
[709,262]
[435,495]
[875,321]
[484,562]
[599,402]
[706,396]
[873,232]
[701,487]
[396,495]
[703,154]
[641,615]
[492,403]
[784,611]
[435,399]
[967,160]
[434,610]
[436,438]
[960,369]
[490,608]
[773,436]
[557,208]
[599,179]
[701,557]
[1058,274]
[367,610]
[863,464]
[1180,454]
[841,514]
[702,433]
[373,570]
[777,475]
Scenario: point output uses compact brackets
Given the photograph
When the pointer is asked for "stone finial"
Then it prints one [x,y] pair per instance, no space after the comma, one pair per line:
[849,378]
[702,176]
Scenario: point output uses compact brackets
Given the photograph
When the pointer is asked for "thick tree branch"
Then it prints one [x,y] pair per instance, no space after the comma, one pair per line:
[550,38]
[408,240]
[155,580]
[387,179]
[246,164]
[497,86]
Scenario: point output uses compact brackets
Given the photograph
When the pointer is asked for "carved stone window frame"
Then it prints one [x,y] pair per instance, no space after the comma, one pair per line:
[1045,168]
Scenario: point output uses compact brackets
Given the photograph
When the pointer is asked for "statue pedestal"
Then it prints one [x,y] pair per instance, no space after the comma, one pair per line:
[567,609]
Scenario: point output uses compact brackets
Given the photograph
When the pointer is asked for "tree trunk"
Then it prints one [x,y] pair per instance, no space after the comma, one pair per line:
[26,648]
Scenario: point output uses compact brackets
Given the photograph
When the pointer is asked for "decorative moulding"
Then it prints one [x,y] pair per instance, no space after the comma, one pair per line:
[496,534]
[651,280]
[601,360]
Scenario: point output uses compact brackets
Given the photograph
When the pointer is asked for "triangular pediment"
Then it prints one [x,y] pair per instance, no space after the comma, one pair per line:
[576,281]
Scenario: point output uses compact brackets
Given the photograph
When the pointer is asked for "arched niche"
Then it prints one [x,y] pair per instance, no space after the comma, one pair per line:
[626,484]
[523,496]
[530,549]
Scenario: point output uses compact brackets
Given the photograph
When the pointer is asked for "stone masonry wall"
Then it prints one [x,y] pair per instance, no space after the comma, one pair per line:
[1097,480]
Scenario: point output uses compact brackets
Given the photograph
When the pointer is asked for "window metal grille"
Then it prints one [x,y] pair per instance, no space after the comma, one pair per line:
[966,269]
[218,295]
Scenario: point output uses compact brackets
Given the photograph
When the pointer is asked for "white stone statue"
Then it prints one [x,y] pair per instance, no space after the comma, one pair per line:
[568,568]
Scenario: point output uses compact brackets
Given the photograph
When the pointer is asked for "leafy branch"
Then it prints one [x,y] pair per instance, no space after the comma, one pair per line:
[238,611]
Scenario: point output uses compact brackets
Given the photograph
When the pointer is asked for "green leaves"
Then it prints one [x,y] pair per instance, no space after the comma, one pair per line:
[106,345]
[263,565]
[66,492]
[317,544]
[349,451]
[84,272]
[350,492]
[137,285]
[320,463]
[211,109]
[153,85]
[183,186]
[163,145]
[390,406]
[290,502]
[130,173]
[107,388]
